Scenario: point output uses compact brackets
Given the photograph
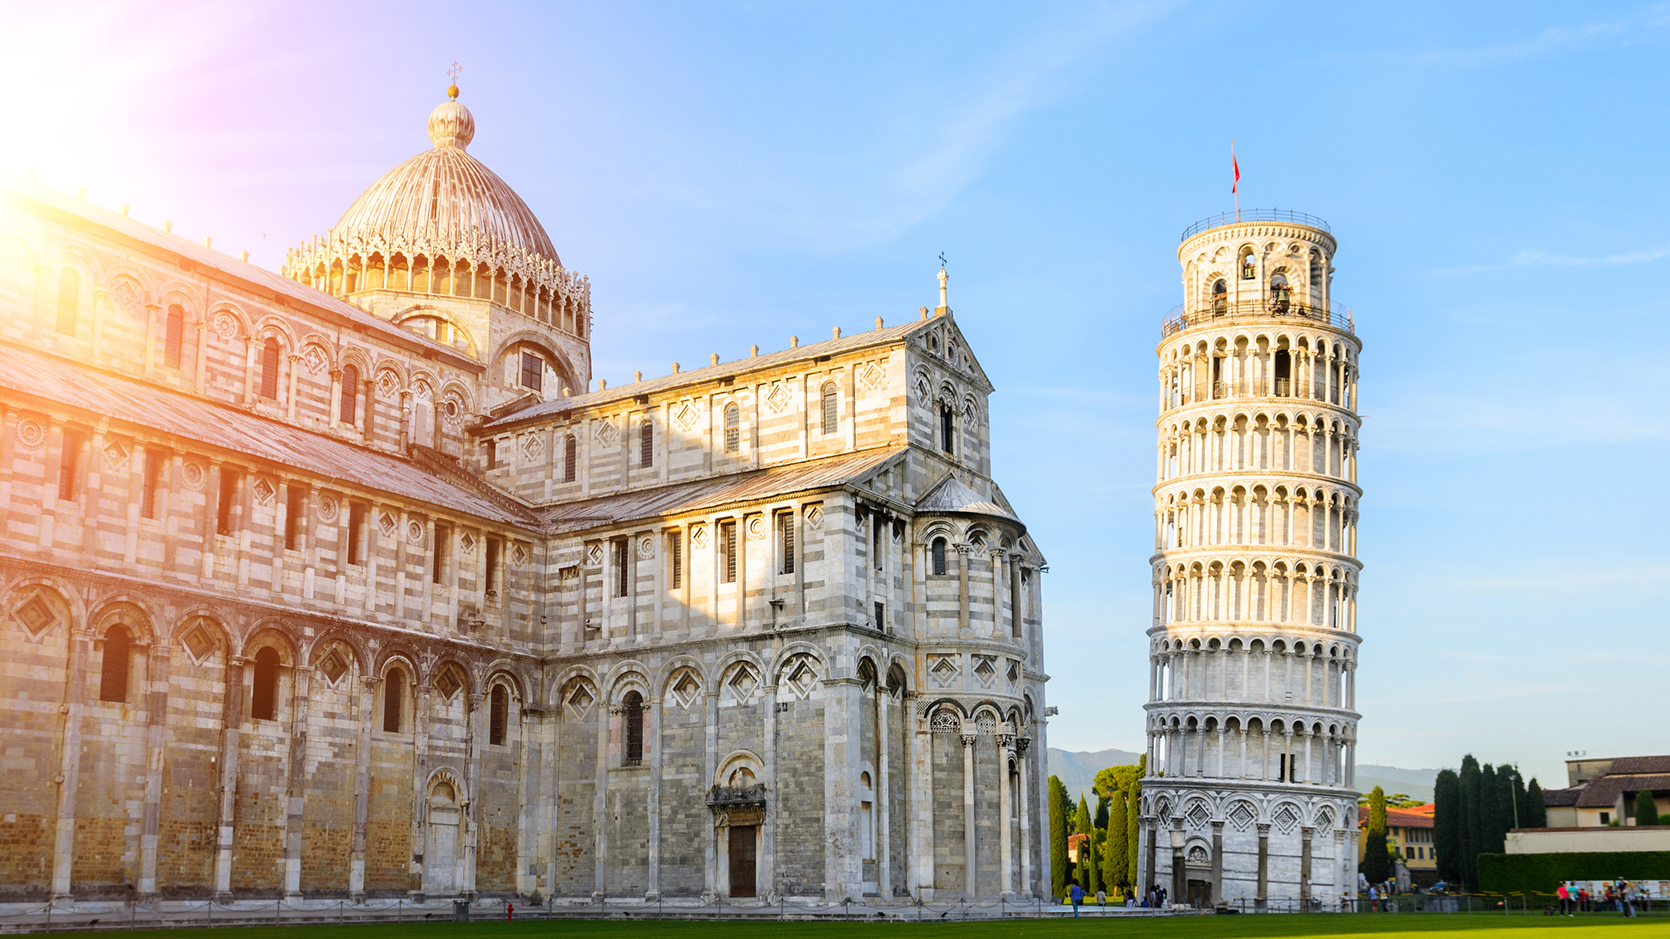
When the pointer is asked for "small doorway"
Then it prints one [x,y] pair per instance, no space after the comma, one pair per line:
[440,856]
[742,854]
[1200,894]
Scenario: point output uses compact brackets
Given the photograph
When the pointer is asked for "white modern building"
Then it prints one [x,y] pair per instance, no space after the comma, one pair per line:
[1251,728]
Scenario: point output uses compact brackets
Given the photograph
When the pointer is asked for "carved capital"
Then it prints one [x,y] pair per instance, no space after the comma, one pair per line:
[968,739]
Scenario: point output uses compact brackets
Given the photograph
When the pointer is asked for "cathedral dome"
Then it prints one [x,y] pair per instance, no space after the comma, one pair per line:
[447,198]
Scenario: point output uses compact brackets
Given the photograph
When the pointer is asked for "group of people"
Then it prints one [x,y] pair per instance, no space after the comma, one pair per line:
[1155,898]
[1575,899]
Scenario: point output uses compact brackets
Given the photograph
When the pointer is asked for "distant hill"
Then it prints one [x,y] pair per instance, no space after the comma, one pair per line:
[1416,783]
[1078,769]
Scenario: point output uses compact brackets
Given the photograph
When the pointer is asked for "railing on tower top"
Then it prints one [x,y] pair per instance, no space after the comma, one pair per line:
[1255,215]
[1337,315]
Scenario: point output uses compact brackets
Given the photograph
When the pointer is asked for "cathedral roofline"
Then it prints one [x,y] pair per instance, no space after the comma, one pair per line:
[257,280]
[882,336]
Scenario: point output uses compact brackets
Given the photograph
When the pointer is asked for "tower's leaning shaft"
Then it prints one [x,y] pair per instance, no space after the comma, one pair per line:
[1251,722]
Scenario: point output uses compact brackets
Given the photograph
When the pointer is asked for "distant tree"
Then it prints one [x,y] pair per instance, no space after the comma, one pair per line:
[1101,819]
[1116,849]
[1376,862]
[1447,827]
[1472,832]
[1058,837]
[1518,802]
[1090,865]
[1081,819]
[1536,809]
[1646,810]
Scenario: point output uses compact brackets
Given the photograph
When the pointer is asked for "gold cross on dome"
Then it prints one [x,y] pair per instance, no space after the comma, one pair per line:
[452,73]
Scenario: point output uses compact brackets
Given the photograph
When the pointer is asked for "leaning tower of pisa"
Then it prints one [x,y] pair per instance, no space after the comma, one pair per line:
[1249,798]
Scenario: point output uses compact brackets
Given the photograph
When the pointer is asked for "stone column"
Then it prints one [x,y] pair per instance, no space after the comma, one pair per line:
[1179,884]
[1263,894]
[1027,886]
[151,310]
[1217,861]
[970,872]
[232,721]
[600,802]
[70,757]
[883,791]
[710,767]
[963,553]
[296,790]
[156,741]
[1304,869]
[1150,834]
[475,746]
[652,713]
[1005,810]
[768,826]
[295,362]
[420,778]
[362,788]
[843,870]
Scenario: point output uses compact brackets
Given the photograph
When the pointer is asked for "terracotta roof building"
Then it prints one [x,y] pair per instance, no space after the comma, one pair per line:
[1603,791]
[351,582]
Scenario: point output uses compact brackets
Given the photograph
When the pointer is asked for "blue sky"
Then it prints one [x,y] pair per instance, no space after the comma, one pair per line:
[730,174]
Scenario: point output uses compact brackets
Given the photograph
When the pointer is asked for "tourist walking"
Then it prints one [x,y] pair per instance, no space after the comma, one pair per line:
[1077,896]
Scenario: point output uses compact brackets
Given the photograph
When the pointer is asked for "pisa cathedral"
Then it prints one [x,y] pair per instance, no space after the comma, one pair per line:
[1251,720]
[351,582]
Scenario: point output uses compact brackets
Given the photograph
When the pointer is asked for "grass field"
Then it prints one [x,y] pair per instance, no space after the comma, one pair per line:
[1423,926]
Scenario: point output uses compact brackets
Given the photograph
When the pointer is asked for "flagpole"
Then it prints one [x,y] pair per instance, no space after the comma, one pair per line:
[1237,187]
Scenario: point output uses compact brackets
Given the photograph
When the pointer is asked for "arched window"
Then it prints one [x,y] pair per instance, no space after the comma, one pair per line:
[646,443]
[570,452]
[831,418]
[350,395]
[263,705]
[173,335]
[498,715]
[1249,264]
[634,719]
[394,694]
[69,297]
[939,555]
[269,369]
[733,428]
[947,429]
[113,672]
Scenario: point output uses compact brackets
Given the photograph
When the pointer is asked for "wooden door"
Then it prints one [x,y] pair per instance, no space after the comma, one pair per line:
[742,860]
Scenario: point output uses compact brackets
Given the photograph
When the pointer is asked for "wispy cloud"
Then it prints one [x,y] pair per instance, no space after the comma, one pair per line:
[1536,257]
[1553,41]
[966,128]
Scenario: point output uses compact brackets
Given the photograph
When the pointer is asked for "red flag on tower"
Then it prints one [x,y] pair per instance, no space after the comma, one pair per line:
[1235,187]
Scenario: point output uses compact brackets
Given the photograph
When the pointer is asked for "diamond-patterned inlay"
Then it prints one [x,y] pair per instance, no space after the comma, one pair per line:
[581,699]
[778,398]
[387,523]
[698,536]
[199,643]
[314,359]
[686,689]
[387,386]
[1014,671]
[333,666]
[126,295]
[1199,815]
[115,455]
[686,416]
[871,375]
[985,668]
[449,681]
[264,491]
[594,555]
[743,682]
[1242,816]
[1287,817]
[36,615]
[814,517]
[802,679]
[606,433]
[467,542]
[531,447]
[519,554]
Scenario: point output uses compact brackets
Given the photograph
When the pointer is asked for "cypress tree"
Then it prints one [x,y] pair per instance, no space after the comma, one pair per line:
[1090,865]
[1133,818]
[1081,820]
[1646,810]
[1058,837]
[1116,849]
[1471,833]
[1536,810]
[1101,821]
[1491,797]
[1376,862]
[1447,826]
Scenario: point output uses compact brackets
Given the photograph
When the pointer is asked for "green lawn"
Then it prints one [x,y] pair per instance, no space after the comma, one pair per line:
[1421,926]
